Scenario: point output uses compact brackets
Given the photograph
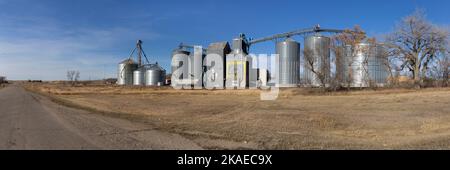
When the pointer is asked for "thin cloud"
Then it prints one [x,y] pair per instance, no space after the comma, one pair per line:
[42,48]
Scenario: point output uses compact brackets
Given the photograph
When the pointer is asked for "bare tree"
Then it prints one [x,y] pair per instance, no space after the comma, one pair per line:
[416,42]
[346,47]
[77,76]
[316,70]
[390,63]
[70,75]
[73,76]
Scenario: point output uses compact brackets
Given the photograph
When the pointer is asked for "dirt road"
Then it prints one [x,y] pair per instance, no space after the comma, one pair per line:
[31,121]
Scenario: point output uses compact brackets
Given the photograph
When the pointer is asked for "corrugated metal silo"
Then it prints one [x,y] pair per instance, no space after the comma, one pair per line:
[365,66]
[378,71]
[154,75]
[138,77]
[289,63]
[359,66]
[125,72]
[317,52]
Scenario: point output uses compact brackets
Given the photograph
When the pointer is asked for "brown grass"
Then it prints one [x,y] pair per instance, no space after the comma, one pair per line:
[299,119]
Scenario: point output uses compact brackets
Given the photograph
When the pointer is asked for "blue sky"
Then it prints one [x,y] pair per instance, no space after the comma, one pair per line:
[42,39]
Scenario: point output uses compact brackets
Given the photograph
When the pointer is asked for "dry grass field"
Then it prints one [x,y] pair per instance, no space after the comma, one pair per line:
[299,119]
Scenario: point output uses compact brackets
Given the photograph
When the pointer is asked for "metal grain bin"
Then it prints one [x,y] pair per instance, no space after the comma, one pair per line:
[359,75]
[139,77]
[378,70]
[289,63]
[125,72]
[365,66]
[317,52]
[155,75]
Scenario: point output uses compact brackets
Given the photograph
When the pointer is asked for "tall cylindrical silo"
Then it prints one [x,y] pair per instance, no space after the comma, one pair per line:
[366,66]
[155,75]
[317,65]
[355,65]
[359,65]
[125,72]
[289,63]
[138,77]
[377,66]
